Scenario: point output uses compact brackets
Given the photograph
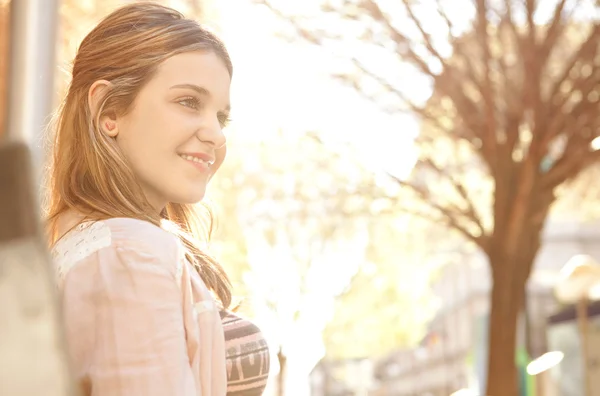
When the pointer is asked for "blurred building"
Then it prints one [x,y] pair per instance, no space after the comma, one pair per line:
[453,355]
[562,332]
[343,378]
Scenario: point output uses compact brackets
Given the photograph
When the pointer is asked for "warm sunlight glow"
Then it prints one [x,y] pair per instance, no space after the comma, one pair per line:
[464,392]
[596,143]
[355,214]
[545,362]
[289,88]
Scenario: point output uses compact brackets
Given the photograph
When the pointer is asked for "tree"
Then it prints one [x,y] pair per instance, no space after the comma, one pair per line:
[520,103]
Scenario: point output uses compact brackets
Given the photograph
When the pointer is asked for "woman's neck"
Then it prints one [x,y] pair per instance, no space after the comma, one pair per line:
[67,221]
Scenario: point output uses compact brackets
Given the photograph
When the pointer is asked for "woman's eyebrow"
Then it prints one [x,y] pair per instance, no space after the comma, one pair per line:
[200,90]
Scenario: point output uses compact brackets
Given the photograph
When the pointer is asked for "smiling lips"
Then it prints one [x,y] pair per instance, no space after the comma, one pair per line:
[200,160]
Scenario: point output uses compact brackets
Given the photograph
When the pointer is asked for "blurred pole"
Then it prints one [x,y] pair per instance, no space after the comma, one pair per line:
[4,33]
[32,48]
[33,354]
[582,322]
[282,372]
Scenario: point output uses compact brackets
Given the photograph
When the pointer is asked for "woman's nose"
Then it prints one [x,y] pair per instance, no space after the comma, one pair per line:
[212,133]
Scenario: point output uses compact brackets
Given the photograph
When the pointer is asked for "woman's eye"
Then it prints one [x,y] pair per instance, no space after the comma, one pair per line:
[192,103]
[224,120]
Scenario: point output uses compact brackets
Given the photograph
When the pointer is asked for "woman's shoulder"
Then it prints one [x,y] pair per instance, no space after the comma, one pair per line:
[131,237]
[117,232]
[128,231]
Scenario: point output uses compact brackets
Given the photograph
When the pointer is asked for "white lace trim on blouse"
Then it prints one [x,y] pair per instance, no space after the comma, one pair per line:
[79,243]
[83,241]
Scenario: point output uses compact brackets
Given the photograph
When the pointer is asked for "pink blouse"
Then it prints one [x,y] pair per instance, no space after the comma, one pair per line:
[139,319]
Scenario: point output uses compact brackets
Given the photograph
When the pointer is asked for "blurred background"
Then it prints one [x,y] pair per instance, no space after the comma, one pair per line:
[410,203]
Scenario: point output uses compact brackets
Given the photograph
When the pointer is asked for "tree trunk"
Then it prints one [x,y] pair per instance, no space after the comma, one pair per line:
[282,371]
[509,274]
[502,376]
[520,211]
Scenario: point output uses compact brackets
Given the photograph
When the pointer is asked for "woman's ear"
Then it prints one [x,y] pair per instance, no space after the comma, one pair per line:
[96,94]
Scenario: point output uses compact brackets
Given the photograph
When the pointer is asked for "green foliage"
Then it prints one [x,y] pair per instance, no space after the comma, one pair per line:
[389,301]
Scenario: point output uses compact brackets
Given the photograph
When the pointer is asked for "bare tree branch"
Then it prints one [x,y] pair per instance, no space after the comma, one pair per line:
[488,138]
[451,216]
[555,102]
[426,37]
[470,212]
[530,6]
[576,157]
[554,30]
[447,84]
[400,39]
[459,49]
[423,112]
[444,15]
[589,46]
[481,124]
[562,120]
[513,95]
[467,107]
[441,219]
[534,65]
[456,73]
[513,27]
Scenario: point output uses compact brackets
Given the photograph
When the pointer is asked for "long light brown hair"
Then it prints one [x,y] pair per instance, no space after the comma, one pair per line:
[88,173]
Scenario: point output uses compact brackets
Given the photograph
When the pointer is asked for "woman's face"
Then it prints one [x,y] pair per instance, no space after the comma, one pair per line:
[173,135]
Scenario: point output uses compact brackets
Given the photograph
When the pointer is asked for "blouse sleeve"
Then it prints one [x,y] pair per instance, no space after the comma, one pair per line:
[124,321]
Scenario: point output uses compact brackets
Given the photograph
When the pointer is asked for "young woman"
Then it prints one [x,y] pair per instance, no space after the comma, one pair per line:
[140,134]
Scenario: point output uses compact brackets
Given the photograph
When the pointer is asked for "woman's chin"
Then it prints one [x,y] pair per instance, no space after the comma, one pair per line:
[189,198]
